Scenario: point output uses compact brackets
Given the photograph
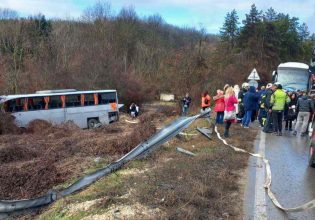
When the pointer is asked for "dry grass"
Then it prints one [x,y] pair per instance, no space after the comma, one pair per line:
[201,187]
[170,185]
[45,155]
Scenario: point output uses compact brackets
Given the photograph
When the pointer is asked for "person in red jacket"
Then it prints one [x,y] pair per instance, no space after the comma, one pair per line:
[219,106]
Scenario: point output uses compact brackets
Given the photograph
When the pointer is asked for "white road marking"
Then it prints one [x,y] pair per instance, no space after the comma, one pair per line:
[260,194]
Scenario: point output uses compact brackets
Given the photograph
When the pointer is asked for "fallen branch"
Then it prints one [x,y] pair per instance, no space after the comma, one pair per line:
[181,150]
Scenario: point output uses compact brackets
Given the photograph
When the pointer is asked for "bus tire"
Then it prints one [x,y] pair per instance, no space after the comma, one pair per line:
[92,123]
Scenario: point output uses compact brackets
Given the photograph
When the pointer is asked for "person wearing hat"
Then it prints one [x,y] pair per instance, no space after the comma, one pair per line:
[278,101]
[265,102]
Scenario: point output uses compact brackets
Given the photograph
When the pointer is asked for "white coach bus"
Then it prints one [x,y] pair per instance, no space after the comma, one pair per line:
[85,108]
[293,76]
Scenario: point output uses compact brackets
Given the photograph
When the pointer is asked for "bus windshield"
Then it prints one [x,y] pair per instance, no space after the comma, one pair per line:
[293,79]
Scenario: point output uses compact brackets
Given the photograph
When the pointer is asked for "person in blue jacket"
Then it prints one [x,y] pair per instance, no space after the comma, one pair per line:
[250,104]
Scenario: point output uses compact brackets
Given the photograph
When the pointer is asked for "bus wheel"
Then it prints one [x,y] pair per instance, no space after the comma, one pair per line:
[92,123]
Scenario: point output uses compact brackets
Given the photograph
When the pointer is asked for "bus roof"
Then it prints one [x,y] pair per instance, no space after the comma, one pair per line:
[5,98]
[294,65]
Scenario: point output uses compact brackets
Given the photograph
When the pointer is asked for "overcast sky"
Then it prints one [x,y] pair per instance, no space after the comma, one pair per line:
[198,13]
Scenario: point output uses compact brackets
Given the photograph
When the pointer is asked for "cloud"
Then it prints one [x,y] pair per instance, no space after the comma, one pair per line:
[56,8]
[209,13]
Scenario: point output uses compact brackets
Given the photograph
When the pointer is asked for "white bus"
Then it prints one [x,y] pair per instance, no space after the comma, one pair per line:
[85,108]
[293,76]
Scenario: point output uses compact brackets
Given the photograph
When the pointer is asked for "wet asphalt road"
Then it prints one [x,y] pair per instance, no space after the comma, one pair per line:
[293,182]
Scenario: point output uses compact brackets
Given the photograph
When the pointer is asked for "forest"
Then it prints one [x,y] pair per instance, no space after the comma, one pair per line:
[144,56]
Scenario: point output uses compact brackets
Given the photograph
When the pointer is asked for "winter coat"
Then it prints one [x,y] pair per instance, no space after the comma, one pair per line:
[219,103]
[230,103]
[250,99]
[305,104]
[186,101]
[278,100]
[241,96]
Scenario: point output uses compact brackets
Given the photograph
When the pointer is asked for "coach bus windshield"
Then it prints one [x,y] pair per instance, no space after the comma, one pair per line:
[293,79]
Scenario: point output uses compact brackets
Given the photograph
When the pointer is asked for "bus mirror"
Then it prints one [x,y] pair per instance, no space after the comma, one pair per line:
[274,76]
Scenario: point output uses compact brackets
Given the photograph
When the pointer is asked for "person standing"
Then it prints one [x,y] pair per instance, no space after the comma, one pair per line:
[133,110]
[250,100]
[241,113]
[304,108]
[268,126]
[219,106]
[278,100]
[229,114]
[291,113]
[205,101]
[236,91]
[186,102]
[262,115]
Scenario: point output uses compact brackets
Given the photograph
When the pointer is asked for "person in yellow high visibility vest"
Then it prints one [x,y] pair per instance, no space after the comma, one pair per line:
[278,100]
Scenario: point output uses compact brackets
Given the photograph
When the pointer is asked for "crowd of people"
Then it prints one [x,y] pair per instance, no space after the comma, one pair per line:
[270,105]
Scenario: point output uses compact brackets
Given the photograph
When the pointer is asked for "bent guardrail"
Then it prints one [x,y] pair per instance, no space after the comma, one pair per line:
[165,134]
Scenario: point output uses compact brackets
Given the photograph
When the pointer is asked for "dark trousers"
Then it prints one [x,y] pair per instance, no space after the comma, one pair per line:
[262,116]
[277,117]
[268,126]
[227,127]
[220,116]
[253,116]
[288,124]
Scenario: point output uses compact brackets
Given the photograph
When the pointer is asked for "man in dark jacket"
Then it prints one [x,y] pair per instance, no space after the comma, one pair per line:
[304,108]
[245,87]
[268,127]
[185,104]
[250,99]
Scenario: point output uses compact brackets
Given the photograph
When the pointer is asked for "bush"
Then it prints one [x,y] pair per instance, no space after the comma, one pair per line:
[7,125]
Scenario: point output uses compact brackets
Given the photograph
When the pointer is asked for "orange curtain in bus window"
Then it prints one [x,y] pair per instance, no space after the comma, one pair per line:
[82,99]
[63,100]
[95,99]
[25,104]
[113,106]
[46,99]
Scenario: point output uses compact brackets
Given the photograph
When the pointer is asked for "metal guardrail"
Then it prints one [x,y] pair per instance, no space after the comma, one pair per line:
[8,207]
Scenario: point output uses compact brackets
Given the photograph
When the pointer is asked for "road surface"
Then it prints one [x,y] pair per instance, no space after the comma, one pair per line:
[293,182]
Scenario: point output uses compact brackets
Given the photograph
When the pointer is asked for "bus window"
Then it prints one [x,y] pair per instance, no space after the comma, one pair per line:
[15,105]
[88,99]
[55,102]
[73,100]
[36,103]
[106,98]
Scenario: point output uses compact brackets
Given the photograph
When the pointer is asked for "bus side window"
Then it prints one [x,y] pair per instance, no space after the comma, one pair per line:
[36,103]
[73,100]
[106,98]
[55,102]
[89,99]
[19,104]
